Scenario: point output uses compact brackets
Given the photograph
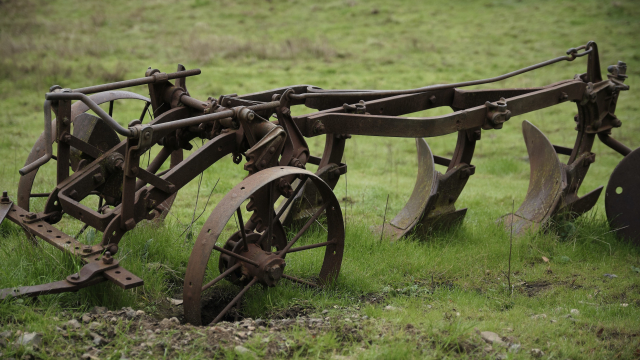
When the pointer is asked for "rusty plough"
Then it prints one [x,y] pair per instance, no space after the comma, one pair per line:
[91,160]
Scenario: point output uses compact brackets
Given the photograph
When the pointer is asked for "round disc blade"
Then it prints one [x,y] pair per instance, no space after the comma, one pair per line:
[622,199]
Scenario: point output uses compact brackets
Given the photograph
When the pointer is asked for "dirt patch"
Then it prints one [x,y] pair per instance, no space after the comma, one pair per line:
[373,298]
[534,288]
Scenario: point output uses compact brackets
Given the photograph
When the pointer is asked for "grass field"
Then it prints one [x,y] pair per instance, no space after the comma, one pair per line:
[432,294]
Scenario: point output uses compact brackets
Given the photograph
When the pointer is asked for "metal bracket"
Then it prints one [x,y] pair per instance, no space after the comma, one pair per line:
[93,269]
[5,206]
[497,114]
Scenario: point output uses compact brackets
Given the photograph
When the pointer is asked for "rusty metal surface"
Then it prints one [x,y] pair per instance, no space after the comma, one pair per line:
[271,265]
[546,182]
[622,198]
[5,206]
[25,184]
[277,155]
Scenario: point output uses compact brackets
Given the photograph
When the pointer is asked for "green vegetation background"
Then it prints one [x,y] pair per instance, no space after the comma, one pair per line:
[248,46]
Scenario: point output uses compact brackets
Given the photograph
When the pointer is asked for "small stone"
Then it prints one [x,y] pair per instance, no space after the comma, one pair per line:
[624,305]
[94,325]
[30,339]
[541,316]
[97,339]
[429,306]
[575,311]
[390,308]
[86,318]
[365,317]
[139,313]
[158,331]
[130,314]
[325,312]
[514,348]
[114,320]
[241,334]
[492,338]
[74,324]
[3,343]
[488,348]
[260,322]
[243,351]
[554,321]
[611,276]
[5,334]
[97,310]
[175,320]
[501,356]
[251,328]
[537,353]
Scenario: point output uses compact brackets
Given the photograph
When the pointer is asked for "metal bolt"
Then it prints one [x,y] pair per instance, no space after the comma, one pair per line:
[5,198]
[98,178]
[251,115]
[87,249]
[147,135]
[272,150]
[75,276]
[318,128]
[73,194]
[31,216]
[432,99]
[65,121]
[107,259]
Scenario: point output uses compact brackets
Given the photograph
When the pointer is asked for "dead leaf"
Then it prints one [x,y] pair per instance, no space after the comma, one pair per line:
[545,259]
[599,333]
[175,301]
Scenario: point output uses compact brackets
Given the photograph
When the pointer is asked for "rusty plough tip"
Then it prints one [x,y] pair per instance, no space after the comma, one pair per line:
[91,160]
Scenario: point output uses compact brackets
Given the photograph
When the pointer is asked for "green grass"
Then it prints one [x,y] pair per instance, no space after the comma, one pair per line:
[249,46]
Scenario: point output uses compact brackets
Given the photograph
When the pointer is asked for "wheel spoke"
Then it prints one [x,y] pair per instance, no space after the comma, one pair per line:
[39,195]
[111,108]
[309,202]
[311,246]
[283,208]
[304,229]
[221,276]
[144,111]
[270,222]
[295,279]
[303,180]
[244,235]
[234,301]
[237,256]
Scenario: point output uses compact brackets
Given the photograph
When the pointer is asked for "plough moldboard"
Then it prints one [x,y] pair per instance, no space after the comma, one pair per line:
[91,160]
